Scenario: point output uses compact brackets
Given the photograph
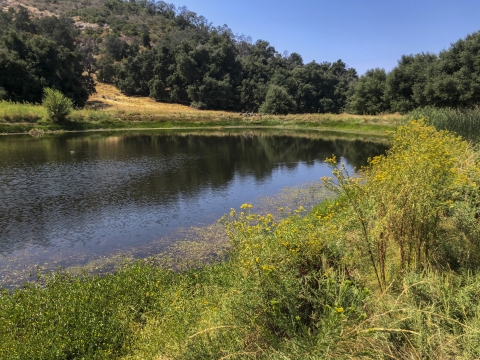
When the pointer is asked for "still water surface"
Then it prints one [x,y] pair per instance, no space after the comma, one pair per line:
[100,193]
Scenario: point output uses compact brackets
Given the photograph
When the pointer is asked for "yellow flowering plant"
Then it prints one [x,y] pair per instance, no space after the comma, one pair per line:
[406,201]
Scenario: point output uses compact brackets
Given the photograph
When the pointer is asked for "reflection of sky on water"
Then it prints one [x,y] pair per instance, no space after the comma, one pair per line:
[121,224]
[117,192]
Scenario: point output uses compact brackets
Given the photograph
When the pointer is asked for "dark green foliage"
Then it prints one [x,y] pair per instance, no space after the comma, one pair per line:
[321,87]
[35,54]
[277,101]
[454,80]
[86,50]
[22,21]
[368,93]
[215,73]
[60,30]
[133,76]
[450,79]
[223,73]
[258,63]
[146,40]
[114,47]
[106,69]
[405,82]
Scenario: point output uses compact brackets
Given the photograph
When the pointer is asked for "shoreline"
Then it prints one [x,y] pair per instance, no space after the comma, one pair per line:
[358,129]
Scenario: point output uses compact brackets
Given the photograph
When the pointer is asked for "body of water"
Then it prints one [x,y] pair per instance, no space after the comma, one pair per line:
[97,194]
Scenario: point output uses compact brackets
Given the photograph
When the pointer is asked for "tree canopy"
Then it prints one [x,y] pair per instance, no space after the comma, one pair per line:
[40,53]
[449,79]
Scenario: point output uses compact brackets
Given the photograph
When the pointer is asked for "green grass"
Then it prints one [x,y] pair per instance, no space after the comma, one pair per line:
[11,112]
[308,307]
[21,118]
[103,122]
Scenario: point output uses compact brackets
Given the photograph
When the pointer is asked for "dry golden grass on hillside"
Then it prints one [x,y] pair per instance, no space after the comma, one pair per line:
[41,10]
[111,100]
[31,7]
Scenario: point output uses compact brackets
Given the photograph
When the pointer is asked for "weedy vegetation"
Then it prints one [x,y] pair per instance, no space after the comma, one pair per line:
[386,269]
[463,121]
[12,112]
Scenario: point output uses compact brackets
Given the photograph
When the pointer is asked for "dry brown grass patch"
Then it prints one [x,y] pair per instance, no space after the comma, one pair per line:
[109,98]
[5,4]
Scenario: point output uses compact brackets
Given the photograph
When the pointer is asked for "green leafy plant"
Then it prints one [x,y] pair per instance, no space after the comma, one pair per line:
[58,106]
[277,101]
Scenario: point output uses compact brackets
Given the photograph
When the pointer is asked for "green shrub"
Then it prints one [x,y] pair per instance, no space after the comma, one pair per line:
[416,207]
[277,101]
[58,106]
[198,105]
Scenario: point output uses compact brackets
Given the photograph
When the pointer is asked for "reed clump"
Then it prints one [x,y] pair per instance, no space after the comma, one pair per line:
[464,122]
[386,269]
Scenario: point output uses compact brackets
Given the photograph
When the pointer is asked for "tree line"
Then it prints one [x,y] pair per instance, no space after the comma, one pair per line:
[151,48]
[183,58]
[40,53]
[449,79]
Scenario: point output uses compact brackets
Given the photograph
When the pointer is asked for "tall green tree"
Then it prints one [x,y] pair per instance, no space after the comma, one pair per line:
[405,82]
[257,69]
[39,54]
[277,101]
[454,79]
[368,93]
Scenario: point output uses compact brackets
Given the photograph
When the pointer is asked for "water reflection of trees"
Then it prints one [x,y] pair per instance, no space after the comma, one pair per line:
[191,160]
[43,185]
[215,160]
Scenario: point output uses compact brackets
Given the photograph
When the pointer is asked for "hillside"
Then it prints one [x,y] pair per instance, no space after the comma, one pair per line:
[153,49]
[31,6]
[108,97]
[174,55]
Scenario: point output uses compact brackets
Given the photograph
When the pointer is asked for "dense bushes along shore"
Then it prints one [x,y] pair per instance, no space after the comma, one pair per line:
[388,268]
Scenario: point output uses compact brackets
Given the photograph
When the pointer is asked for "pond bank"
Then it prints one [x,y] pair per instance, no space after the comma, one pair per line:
[98,120]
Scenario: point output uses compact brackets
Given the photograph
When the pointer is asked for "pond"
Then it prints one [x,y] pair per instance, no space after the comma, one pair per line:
[80,196]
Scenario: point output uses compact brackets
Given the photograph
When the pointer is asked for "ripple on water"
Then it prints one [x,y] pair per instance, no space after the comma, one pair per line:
[116,193]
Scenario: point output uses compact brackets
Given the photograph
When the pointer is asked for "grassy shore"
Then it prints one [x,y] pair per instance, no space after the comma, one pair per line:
[110,109]
[464,122]
[386,269]
[84,120]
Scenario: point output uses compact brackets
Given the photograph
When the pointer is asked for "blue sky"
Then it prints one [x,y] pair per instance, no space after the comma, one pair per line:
[365,34]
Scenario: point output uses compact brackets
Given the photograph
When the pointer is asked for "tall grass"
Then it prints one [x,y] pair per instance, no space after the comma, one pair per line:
[12,112]
[464,122]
